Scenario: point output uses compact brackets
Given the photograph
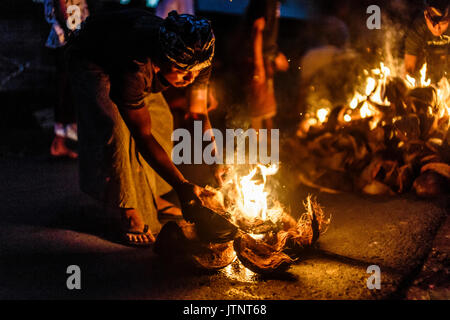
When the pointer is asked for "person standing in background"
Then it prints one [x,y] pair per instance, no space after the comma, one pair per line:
[262,18]
[428,41]
[64,17]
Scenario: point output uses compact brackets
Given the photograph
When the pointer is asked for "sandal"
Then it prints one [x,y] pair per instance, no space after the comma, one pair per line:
[145,232]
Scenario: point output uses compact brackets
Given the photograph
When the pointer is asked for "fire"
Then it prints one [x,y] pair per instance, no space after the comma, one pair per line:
[365,111]
[423,75]
[374,92]
[322,114]
[251,196]
[443,93]
[410,81]
[347,118]
[370,86]
[365,102]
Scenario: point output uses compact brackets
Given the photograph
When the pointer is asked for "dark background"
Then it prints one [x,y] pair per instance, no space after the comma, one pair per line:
[27,73]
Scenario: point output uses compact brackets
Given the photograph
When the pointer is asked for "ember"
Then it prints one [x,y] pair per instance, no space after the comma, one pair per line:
[392,137]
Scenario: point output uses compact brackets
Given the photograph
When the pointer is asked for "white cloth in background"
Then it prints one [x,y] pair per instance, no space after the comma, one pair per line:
[181,6]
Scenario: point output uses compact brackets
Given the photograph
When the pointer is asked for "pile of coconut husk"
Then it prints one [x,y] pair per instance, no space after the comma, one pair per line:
[407,148]
[212,241]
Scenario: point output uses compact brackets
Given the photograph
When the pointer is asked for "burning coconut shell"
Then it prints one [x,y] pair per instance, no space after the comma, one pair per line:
[433,180]
[395,144]
[179,242]
[260,257]
[274,253]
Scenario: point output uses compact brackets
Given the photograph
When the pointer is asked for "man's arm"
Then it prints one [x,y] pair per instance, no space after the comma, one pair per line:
[257,45]
[139,124]
[198,105]
[414,44]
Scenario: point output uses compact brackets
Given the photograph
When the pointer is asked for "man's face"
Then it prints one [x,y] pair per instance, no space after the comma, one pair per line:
[435,23]
[178,77]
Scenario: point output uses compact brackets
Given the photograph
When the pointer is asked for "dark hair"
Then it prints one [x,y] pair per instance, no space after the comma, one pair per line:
[187,41]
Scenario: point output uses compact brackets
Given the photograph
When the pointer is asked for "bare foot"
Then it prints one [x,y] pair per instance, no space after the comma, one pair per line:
[59,149]
[167,208]
[136,232]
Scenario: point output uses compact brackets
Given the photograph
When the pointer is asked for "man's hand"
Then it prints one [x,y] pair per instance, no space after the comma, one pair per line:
[281,63]
[220,171]
[189,193]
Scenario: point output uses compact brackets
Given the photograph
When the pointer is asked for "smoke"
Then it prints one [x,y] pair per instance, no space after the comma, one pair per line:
[343,70]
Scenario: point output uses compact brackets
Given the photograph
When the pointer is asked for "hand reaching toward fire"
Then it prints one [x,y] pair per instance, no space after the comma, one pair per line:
[281,63]
[220,172]
[189,198]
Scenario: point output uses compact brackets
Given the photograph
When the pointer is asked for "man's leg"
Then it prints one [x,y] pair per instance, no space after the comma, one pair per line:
[128,221]
[111,168]
[64,113]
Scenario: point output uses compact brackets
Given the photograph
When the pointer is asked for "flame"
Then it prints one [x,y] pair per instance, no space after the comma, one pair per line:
[322,114]
[410,81]
[364,100]
[357,98]
[370,86]
[443,93]
[442,89]
[423,75]
[251,197]
[254,198]
[365,110]
[375,82]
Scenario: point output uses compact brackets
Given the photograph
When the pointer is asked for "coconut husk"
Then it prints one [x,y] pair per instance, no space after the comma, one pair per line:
[422,98]
[414,151]
[376,138]
[408,128]
[256,225]
[440,168]
[369,173]
[405,178]
[430,184]
[296,236]
[430,158]
[178,243]
[395,92]
[261,257]
[275,252]
[377,188]
[428,125]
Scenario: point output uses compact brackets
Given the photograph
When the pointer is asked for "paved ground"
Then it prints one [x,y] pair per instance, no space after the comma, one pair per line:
[46,224]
